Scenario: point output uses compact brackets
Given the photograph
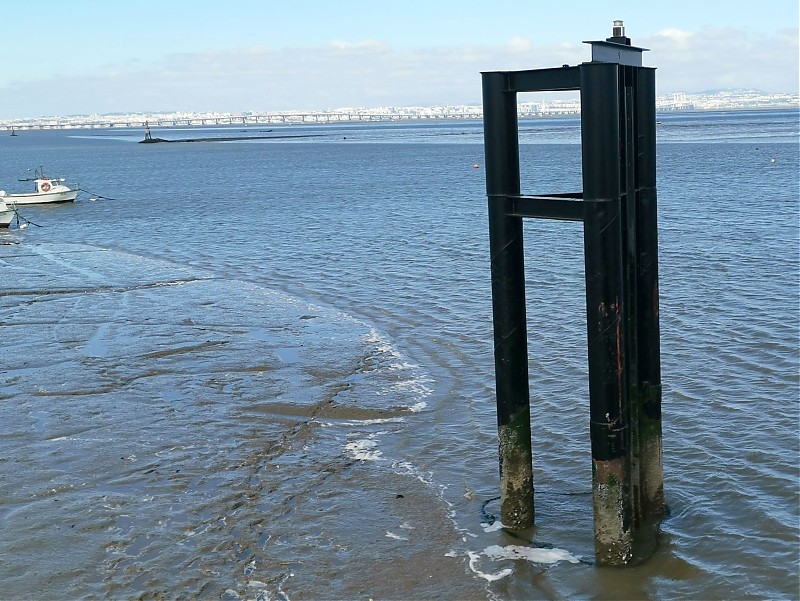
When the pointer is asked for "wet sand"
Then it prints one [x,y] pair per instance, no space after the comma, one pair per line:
[166,435]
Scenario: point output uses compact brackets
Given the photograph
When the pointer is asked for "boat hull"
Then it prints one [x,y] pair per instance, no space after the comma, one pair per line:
[6,215]
[38,198]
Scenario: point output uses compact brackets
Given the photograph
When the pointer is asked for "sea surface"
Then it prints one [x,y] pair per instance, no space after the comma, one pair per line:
[262,369]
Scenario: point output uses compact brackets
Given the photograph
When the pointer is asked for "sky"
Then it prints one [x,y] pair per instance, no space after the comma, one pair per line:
[83,57]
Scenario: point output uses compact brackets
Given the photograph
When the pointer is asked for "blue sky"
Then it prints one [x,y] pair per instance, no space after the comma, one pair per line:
[92,56]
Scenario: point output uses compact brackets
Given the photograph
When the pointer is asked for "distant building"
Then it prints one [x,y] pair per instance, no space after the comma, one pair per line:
[677,101]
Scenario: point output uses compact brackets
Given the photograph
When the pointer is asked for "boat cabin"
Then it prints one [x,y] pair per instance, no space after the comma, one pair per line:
[47,184]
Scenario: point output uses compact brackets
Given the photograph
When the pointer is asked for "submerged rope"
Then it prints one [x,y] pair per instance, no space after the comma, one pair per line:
[28,222]
[96,196]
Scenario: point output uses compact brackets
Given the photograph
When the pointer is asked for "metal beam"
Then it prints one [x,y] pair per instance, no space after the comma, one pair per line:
[501,142]
[546,207]
[542,80]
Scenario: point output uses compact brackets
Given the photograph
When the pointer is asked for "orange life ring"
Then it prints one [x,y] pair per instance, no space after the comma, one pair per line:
[45,187]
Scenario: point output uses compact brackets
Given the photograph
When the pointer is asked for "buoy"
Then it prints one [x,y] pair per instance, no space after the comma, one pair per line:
[772,160]
[476,166]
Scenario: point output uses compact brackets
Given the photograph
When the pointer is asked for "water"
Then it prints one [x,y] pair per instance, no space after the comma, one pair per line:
[263,370]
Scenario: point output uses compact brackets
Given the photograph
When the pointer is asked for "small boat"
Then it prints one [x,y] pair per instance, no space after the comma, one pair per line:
[46,190]
[6,214]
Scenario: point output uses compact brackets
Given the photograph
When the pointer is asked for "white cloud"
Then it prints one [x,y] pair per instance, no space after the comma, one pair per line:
[724,58]
[371,73]
[516,45]
[675,36]
[359,47]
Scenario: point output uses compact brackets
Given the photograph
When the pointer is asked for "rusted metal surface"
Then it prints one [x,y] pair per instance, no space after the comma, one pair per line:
[508,304]
[618,208]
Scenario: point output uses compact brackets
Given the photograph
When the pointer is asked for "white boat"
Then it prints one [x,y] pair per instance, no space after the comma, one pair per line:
[46,190]
[6,214]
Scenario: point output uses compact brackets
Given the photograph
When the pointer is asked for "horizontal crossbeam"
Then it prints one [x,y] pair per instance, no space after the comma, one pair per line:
[558,79]
[566,207]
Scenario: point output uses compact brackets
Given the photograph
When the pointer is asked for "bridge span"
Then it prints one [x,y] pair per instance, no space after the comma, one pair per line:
[241,119]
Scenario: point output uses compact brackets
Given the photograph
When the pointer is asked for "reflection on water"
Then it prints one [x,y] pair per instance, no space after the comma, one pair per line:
[265,371]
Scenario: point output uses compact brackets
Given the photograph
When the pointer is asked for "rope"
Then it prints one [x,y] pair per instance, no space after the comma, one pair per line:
[23,222]
[96,196]
[26,223]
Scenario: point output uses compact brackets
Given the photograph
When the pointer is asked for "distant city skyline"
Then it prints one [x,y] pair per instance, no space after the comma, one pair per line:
[726,100]
[101,57]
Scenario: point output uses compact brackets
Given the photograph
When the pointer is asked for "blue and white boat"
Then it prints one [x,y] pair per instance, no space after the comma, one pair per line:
[46,190]
[6,214]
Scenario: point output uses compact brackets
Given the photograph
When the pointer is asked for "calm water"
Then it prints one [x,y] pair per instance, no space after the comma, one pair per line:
[263,370]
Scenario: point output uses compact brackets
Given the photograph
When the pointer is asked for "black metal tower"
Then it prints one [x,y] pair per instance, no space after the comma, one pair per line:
[618,210]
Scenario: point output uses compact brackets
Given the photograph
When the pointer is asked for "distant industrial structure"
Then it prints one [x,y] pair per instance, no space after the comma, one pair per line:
[680,101]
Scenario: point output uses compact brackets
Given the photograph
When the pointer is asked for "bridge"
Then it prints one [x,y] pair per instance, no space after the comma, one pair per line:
[140,121]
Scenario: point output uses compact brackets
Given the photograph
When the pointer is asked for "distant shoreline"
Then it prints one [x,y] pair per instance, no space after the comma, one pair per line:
[116,122]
